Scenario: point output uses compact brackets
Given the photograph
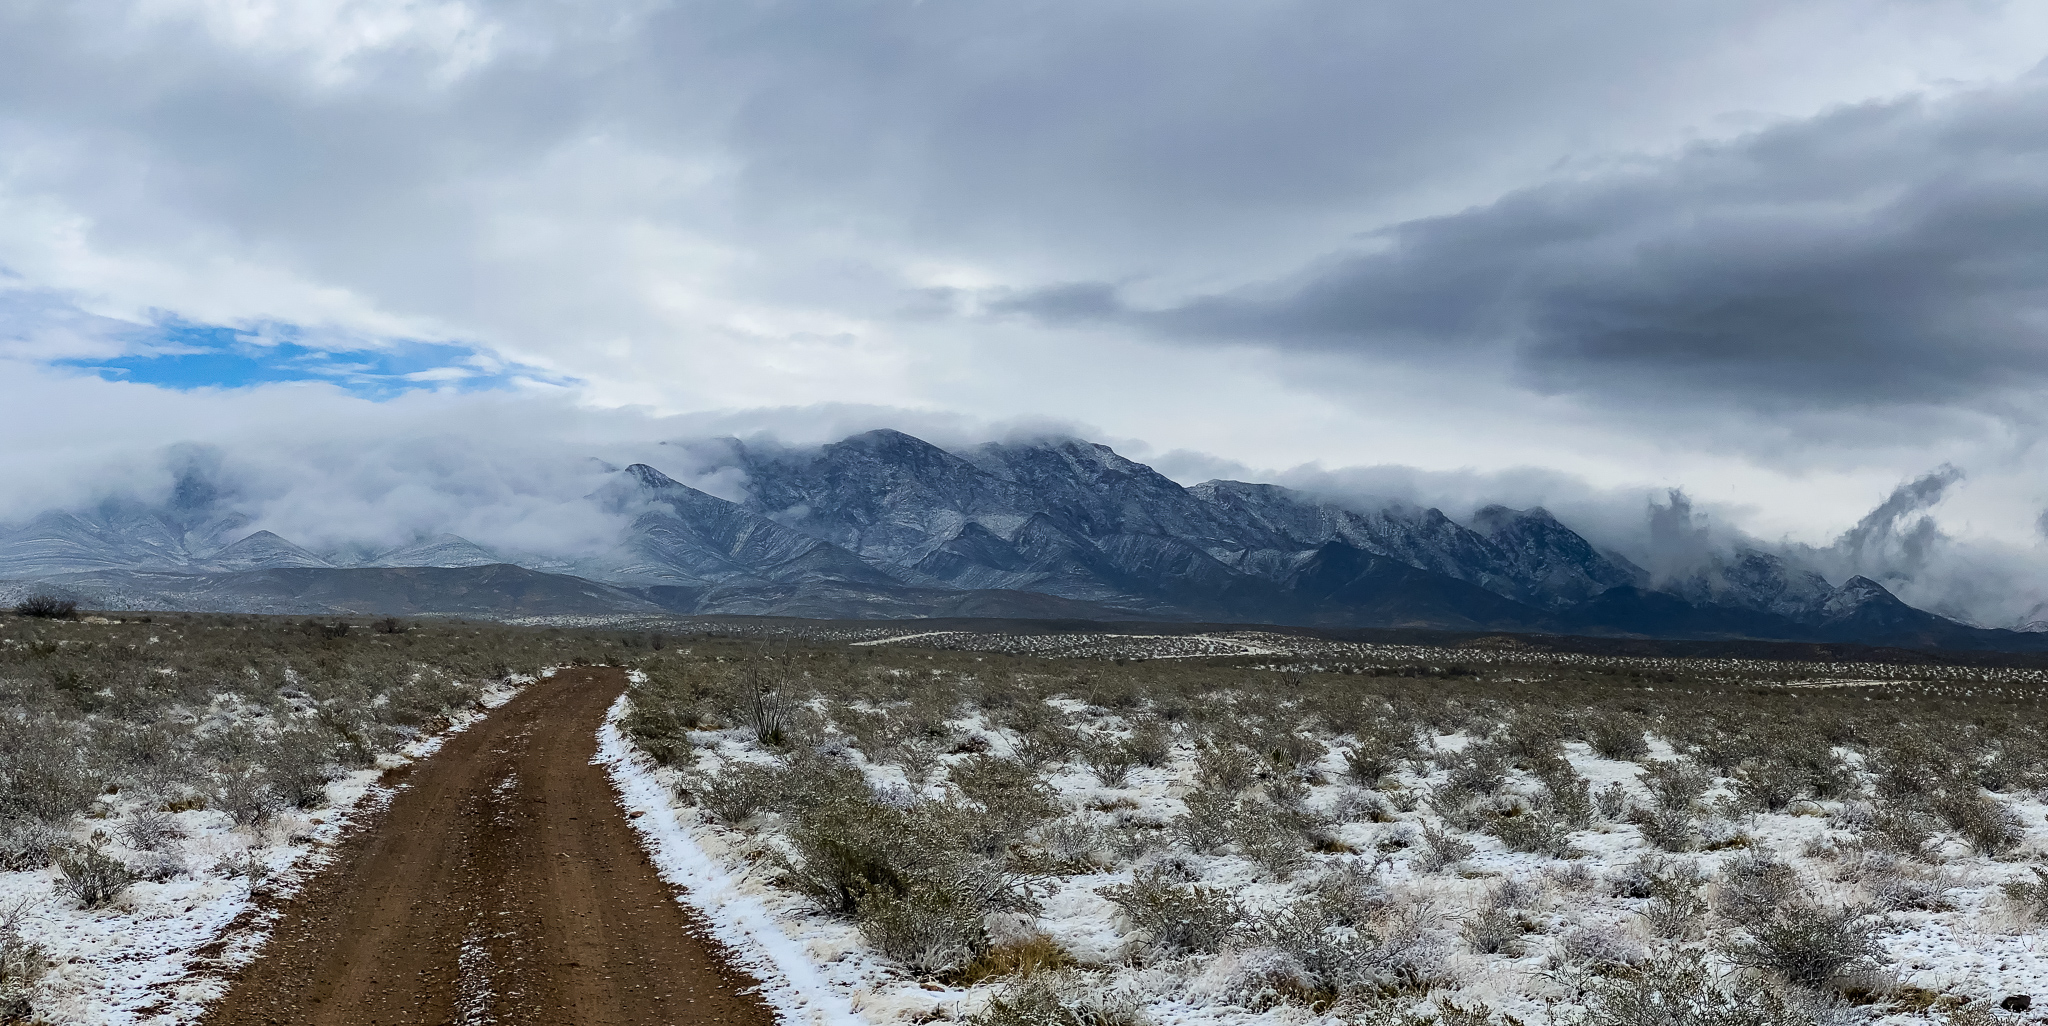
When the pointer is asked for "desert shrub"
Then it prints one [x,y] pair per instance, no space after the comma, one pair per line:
[1350,939]
[22,964]
[1768,785]
[1068,997]
[45,774]
[248,795]
[1896,885]
[1676,785]
[1675,909]
[1538,831]
[1679,989]
[93,877]
[1902,831]
[1674,830]
[1989,825]
[1440,850]
[2029,897]
[919,880]
[1019,954]
[1809,946]
[1356,804]
[1221,766]
[1293,750]
[930,927]
[1601,949]
[26,844]
[764,713]
[1171,917]
[1011,794]
[1151,743]
[658,728]
[1071,844]
[1272,835]
[1379,752]
[299,764]
[1617,736]
[1611,802]
[1753,885]
[740,790]
[151,830]
[47,607]
[1209,822]
[1493,931]
[1111,762]
[1479,770]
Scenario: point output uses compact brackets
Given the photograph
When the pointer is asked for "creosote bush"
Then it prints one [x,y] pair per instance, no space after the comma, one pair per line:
[46,607]
[1173,916]
[92,876]
[1809,946]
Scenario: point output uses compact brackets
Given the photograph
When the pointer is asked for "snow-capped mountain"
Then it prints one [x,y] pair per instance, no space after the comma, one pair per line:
[886,524]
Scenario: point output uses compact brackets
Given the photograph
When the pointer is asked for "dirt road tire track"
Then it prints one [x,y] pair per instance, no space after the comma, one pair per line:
[501,885]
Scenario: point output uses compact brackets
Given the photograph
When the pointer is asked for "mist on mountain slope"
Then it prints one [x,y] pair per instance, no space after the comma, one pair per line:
[517,492]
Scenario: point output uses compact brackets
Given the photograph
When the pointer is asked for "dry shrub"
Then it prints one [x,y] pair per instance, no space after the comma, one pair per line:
[1617,736]
[1067,997]
[1679,989]
[93,877]
[47,607]
[1021,957]
[22,964]
[1809,946]
[1171,917]
[2029,897]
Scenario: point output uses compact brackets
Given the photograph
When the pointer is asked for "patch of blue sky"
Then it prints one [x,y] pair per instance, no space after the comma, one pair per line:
[186,357]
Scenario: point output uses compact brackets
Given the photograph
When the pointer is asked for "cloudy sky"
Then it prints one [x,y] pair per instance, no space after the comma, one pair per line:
[1789,256]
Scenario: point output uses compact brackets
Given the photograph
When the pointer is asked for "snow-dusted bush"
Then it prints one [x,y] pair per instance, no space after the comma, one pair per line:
[1675,910]
[1679,989]
[1111,761]
[151,830]
[92,876]
[1069,997]
[1170,916]
[1768,785]
[22,964]
[1809,946]
[1617,736]
[1753,885]
[2029,897]
[1983,821]
[1440,850]
[1380,749]
[26,844]
[1601,949]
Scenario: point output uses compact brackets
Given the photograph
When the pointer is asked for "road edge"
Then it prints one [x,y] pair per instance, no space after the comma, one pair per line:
[790,982]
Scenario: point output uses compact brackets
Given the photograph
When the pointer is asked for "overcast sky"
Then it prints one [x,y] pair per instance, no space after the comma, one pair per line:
[1788,256]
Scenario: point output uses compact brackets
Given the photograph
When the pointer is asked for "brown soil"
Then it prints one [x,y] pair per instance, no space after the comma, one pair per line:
[501,885]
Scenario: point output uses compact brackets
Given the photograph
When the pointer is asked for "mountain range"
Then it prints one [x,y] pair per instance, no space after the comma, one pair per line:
[884,524]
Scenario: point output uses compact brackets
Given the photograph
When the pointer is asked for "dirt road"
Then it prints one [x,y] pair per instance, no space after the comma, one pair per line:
[502,885]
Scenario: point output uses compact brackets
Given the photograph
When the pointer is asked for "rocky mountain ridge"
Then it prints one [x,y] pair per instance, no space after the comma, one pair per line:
[886,524]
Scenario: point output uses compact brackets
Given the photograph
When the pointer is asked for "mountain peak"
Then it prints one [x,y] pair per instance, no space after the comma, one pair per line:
[650,477]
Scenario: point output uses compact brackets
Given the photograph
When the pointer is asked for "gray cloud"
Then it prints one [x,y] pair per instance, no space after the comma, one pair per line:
[1882,254]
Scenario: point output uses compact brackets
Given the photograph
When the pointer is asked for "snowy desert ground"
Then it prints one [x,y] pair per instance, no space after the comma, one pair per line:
[163,782]
[1103,829]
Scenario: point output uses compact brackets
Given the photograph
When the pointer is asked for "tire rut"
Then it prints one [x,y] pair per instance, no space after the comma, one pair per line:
[502,885]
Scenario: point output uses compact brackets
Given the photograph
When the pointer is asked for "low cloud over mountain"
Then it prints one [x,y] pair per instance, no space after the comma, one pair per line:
[883,523]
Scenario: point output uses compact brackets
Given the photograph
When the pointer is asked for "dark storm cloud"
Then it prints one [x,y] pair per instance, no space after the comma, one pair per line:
[1879,254]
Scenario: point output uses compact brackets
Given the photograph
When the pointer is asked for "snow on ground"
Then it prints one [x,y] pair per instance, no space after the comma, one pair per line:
[817,968]
[161,951]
